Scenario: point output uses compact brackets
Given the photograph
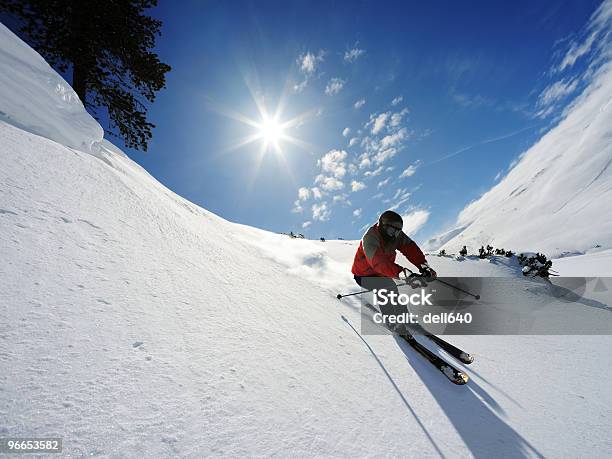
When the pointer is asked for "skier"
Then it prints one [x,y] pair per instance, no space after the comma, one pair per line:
[374,265]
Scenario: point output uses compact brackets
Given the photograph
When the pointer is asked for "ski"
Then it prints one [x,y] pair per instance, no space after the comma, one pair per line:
[452,350]
[453,374]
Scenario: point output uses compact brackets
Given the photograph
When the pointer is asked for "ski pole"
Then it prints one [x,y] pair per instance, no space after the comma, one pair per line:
[340,296]
[412,273]
[457,288]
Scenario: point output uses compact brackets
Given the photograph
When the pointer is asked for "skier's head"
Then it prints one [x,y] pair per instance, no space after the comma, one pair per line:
[390,224]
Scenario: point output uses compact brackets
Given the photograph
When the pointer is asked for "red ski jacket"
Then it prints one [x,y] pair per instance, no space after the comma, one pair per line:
[376,257]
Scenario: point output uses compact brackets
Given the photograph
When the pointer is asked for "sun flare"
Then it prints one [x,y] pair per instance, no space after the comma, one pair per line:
[271,131]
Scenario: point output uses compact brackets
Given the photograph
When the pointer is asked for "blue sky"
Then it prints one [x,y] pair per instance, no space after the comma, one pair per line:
[452,93]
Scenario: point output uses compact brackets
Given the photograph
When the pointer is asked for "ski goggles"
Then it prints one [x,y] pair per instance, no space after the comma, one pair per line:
[391,231]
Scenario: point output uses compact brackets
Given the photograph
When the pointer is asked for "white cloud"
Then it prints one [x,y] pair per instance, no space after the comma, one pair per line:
[306,224]
[353,54]
[334,86]
[297,207]
[299,87]
[414,221]
[410,170]
[400,192]
[384,155]
[386,140]
[342,198]
[543,113]
[554,93]
[397,117]
[377,196]
[384,182]
[357,212]
[595,40]
[357,186]
[329,183]
[364,161]
[397,100]
[394,139]
[381,138]
[320,212]
[303,194]
[333,162]
[378,122]
[307,64]
[374,173]
[471,100]
[308,61]
[576,51]
[360,103]
[400,197]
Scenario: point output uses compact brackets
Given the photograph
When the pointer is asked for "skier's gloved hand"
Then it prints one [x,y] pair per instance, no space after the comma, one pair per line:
[426,271]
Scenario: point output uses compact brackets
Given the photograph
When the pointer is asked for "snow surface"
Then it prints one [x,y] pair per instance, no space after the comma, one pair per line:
[134,323]
[598,264]
[35,98]
[556,199]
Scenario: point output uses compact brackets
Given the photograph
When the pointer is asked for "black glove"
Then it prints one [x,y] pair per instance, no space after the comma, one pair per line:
[426,271]
[406,272]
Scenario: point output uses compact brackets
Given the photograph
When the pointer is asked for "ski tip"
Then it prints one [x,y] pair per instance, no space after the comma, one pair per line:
[466,358]
[456,377]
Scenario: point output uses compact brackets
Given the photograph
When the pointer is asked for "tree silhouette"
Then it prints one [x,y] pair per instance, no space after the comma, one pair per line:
[106,46]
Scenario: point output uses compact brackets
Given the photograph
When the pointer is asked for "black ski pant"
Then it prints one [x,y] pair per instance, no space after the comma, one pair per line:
[383,283]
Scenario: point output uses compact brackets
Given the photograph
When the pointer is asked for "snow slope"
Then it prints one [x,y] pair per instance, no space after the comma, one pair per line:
[134,323]
[35,98]
[596,263]
[556,199]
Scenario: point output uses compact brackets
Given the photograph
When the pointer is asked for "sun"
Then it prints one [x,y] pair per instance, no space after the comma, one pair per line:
[271,131]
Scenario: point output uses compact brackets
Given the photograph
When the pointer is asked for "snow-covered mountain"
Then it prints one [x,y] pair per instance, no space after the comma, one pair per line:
[557,198]
[134,323]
